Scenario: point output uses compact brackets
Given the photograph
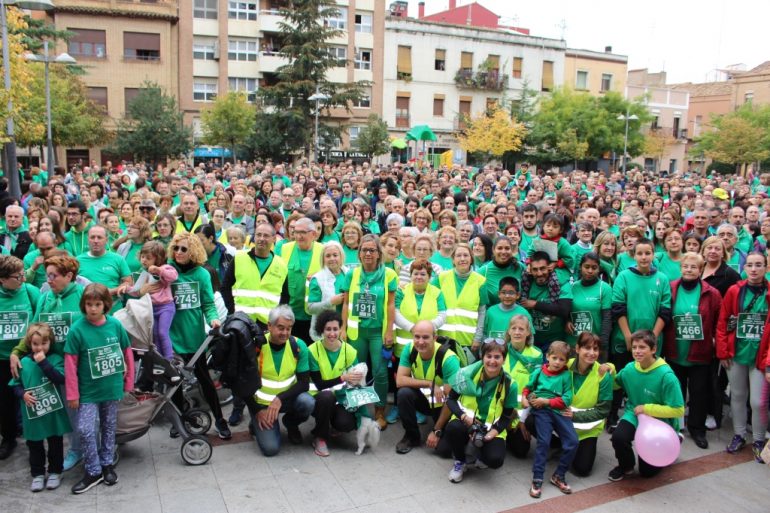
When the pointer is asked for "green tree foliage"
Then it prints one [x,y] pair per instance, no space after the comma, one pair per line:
[230,121]
[373,138]
[304,36]
[152,129]
[740,137]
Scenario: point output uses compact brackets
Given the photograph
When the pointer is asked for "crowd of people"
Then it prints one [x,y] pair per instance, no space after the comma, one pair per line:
[496,306]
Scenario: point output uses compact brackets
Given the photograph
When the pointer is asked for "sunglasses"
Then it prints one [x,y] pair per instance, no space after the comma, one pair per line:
[179,249]
[498,341]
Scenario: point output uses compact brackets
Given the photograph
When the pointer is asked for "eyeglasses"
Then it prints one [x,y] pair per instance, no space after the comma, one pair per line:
[179,249]
[300,232]
[507,293]
[368,250]
[17,277]
[52,276]
[498,341]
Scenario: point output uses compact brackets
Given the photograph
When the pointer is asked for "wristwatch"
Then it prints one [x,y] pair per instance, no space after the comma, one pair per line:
[438,432]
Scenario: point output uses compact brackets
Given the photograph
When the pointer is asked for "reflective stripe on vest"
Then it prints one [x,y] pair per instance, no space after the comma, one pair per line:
[408,309]
[469,405]
[313,267]
[274,382]
[585,398]
[345,360]
[255,294]
[419,373]
[462,309]
[355,287]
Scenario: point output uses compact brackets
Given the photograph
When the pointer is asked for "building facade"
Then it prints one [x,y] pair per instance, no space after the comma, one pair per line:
[436,74]
[595,72]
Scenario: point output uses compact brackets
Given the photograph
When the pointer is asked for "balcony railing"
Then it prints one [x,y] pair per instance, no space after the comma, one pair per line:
[490,80]
[402,121]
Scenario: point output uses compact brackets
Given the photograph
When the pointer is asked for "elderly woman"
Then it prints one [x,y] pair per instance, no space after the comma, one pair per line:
[351,240]
[368,312]
[394,222]
[689,340]
[423,249]
[422,219]
[128,247]
[716,272]
[465,230]
[325,286]
[418,300]
[18,302]
[447,240]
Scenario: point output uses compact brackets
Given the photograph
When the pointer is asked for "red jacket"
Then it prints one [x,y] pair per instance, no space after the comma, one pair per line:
[726,339]
[708,308]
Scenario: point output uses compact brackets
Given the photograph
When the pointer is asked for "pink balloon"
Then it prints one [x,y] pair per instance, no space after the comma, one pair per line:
[656,442]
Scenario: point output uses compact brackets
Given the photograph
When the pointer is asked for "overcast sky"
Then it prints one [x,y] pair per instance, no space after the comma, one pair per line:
[686,38]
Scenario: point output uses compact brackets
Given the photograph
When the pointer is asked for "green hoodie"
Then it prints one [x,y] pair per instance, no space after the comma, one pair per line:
[59,311]
[17,308]
[656,388]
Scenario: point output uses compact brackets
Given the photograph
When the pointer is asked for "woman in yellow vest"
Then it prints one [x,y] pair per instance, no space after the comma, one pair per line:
[465,294]
[329,359]
[369,307]
[324,290]
[591,400]
[523,358]
[482,401]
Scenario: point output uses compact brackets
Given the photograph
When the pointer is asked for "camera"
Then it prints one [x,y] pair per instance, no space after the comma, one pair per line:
[477,433]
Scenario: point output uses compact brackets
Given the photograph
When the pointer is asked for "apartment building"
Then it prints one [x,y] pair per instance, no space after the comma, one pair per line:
[227,45]
[595,72]
[121,44]
[437,73]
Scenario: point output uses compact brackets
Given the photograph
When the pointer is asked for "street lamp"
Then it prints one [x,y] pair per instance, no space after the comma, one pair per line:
[10,164]
[317,97]
[62,58]
[627,118]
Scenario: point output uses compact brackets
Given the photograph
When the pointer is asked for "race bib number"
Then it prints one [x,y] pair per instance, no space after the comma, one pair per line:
[13,325]
[581,321]
[689,327]
[365,305]
[541,322]
[186,295]
[60,324]
[497,334]
[750,325]
[105,361]
[47,400]
[356,397]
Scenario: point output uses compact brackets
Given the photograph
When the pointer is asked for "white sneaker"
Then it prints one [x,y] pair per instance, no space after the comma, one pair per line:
[38,483]
[456,474]
[53,481]
[711,423]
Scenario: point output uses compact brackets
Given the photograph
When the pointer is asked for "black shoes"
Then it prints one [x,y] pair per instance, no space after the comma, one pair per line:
[110,477]
[87,483]
[700,440]
[406,445]
[6,448]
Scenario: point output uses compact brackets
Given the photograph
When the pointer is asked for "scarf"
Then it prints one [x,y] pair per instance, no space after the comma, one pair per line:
[554,289]
[378,275]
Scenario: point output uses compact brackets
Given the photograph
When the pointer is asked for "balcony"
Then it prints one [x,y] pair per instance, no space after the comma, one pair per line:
[269,62]
[269,20]
[402,120]
[486,80]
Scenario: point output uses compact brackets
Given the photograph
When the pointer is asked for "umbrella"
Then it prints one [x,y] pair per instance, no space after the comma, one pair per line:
[420,133]
[399,144]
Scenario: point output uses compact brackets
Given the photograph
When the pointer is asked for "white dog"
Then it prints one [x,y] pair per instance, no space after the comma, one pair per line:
[368,434]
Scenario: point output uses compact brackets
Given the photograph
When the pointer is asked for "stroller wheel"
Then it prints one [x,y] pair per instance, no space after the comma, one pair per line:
[196,450]
[196,421]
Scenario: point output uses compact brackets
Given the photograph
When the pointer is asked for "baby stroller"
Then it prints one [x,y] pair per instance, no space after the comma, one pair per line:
[138,410]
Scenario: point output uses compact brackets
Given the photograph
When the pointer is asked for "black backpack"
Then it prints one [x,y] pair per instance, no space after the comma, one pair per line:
[234,351]
[446,345]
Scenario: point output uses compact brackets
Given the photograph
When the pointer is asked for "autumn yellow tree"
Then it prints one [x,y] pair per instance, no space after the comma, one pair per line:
[21,79]
[492,133]
[656,142]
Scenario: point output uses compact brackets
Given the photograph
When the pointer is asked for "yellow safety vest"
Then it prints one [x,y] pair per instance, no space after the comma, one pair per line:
[355,287]
[518,371]
[408,309]
[586,398]
[273,382]
[315,263]
[462,309]
[469,404]
[345,360]
[180,227]
[418,372]
[255,294]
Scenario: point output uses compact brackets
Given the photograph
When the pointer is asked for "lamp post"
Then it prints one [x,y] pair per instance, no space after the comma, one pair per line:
[317,98]
[10,165]
[62,58]
[627,118]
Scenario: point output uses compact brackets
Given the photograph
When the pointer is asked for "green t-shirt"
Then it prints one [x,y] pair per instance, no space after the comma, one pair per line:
[101,365]
[303,364]
[655,385]
[551,387]
[78,241]
[315,295]
[440,260]
[449,365]
[497,320]
[376,288]
[547,327]
[194,300]
[351,257]
[644,296]
[110,270]
[17,307]
[587,305]
[748,333]
[39,277]
[578,251]
[671,268]
[686,306]
[298,265]
[494,273]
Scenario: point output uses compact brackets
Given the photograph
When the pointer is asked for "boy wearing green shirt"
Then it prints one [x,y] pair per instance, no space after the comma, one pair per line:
[499,316]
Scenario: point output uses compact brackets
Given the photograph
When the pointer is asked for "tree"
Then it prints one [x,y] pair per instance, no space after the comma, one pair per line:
[152,129]
[373,138]
[304,35]
[655,144]
[492,133]
[21,78]
[229,121]
[738,138]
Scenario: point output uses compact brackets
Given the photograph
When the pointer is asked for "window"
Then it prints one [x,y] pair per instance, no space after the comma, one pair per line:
[748,97]
[365,102]
[518,64]
[141,46]
[341,54]
[655,121]
[363,59]
[675,128]
[402,111]
[242,49]
[242,10]
[697,126]
[246,85]
[204,49]
[129,95]
[353,132]
[438,105]
[404,64]
[493,63]
[439,64]
[88,43]
[98,96]
[606,82]
[364,23]
[466,62]
[204,90]
[340,21]
[465,112]
[205,9]
[581,81]
[547,83]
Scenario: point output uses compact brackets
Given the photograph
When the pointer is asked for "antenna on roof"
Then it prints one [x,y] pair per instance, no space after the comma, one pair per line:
[562,25]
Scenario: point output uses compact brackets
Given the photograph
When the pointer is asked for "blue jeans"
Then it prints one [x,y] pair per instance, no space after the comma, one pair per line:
[547,421]
[296,412]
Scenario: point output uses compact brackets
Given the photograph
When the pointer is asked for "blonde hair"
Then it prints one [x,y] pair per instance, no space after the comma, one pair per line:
[691,255]
[41,329]
[714,240]
[195,248]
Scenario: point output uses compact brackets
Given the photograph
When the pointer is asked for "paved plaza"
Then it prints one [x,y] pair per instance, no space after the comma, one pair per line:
[153,479]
